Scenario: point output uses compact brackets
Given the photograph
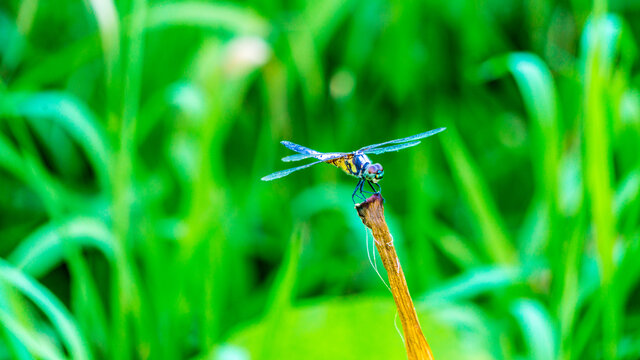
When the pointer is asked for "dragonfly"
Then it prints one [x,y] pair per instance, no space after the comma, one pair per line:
[354,163]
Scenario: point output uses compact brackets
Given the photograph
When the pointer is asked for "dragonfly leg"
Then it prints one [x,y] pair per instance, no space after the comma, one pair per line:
[375,191]
[357,193]
[361,190]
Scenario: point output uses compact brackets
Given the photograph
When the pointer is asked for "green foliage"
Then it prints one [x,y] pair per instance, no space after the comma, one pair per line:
[133,135]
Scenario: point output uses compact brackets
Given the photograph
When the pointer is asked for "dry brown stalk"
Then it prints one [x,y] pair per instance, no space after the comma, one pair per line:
[372,214]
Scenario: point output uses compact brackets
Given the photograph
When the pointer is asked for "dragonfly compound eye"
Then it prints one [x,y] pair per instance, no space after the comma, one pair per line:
[375,171]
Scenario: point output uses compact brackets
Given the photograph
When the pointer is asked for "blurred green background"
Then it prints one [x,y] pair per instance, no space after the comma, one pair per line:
[133,134]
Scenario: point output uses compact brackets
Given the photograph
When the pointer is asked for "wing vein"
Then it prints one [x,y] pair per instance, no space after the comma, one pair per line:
[406,139]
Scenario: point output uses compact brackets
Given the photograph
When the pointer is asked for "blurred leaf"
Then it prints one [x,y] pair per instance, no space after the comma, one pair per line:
[476,282]
[37,343]
[217,16]
[71,115]
[488,221]
[10,301]
[54,67]
[12,43]
[537,328]
[322,19]
[283,287]
[45,248]
[106,16]
[538,92]
[599,42]
[627,192]
[456,247]
[10,160]
[316,199]
[601,34]
[357,328]
[51,306]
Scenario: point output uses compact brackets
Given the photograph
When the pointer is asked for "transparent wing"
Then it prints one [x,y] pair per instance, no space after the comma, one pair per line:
[279,174]
[299,148]
[283,173]
[319,156]
[403,140]
[391,148]
[296,157]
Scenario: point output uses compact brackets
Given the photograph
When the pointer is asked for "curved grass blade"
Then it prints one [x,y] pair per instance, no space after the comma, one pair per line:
[70,114]
[476,282]
[538,331]
[59,65]
[10,160]
[106,16]
[227,17]
[10,302]
[50,306]
[538,91]
[36,343]
[496,242]
[61,241]
[44,249]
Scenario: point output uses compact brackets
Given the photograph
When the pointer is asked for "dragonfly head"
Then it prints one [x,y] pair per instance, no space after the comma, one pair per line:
[374,173]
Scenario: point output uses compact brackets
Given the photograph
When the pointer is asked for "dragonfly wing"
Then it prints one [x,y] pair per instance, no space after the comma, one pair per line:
[279,174]
[319,156]
[396,147]
[283,173]
[403,140]
[299,148]
[296,157]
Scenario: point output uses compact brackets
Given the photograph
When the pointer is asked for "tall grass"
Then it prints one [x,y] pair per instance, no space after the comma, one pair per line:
[133,135]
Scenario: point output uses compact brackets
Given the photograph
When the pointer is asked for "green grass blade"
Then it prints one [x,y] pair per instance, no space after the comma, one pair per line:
[599,43]
[10,300]
[283,290]
[538,91]
[108,23]
[477,282]
[217,16]
[44,249]
[51,306]
[537,329]
[537,88]
[58,66]
[71,115]
[10,160]
[37,343]
[492,232]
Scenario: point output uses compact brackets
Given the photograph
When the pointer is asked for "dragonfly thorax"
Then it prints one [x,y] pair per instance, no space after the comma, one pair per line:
[364,168]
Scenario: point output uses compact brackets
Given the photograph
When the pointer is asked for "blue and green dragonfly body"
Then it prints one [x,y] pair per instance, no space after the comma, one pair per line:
[355,163]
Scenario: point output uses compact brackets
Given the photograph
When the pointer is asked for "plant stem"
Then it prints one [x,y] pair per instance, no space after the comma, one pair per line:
[372,214]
